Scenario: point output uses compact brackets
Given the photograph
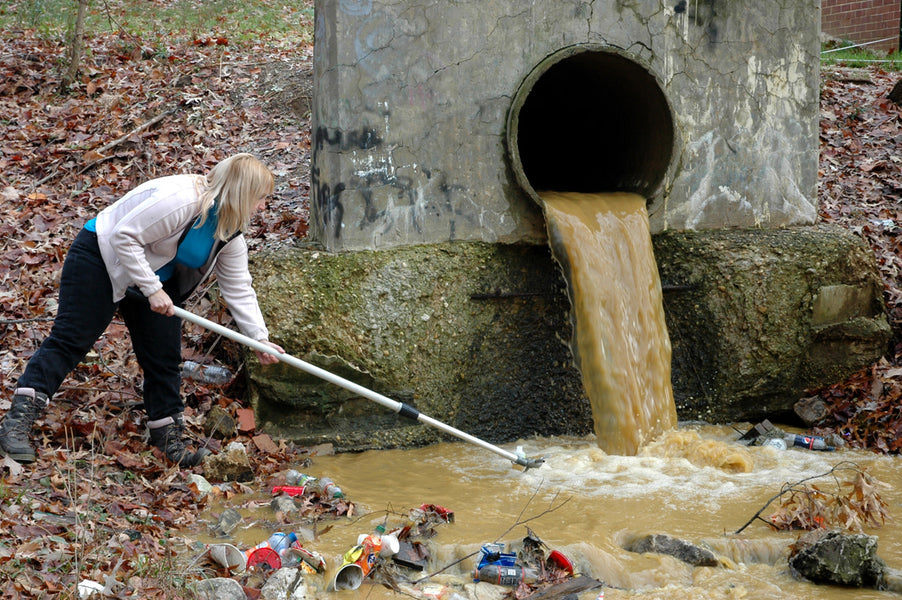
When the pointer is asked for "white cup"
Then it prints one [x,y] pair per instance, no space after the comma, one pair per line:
[390,545]
[229,557]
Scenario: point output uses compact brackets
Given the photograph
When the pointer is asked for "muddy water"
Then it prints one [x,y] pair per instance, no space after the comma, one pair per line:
[694,482]
[621,344]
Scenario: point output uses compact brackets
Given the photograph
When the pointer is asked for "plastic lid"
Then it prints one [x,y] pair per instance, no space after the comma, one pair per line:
[264,556]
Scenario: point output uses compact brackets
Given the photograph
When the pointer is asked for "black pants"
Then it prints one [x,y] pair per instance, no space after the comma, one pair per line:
[86,308]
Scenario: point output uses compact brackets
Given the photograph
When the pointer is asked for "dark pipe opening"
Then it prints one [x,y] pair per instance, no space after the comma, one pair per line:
[589,119]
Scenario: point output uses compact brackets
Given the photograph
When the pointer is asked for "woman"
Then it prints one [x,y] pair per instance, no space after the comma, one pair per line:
[161,239]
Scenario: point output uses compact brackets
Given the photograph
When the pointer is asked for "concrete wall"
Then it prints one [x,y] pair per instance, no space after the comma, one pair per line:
[412,100]
[863,21]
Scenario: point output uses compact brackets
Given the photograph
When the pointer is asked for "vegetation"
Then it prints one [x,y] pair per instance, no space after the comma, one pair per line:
[169,22]
[851,505]
[845,54]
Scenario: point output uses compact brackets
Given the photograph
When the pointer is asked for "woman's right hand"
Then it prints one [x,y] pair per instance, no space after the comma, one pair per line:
[160,302]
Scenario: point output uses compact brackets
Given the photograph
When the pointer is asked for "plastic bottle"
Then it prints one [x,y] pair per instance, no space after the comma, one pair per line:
[775,443]
[509,576]
[295,478]
[280,541]
[327,488]
[206,373]
[812,442]
[390,543]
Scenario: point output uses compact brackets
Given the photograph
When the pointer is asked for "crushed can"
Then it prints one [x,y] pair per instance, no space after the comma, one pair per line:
[506,576]
[299,557]
[357,563]
[289,490]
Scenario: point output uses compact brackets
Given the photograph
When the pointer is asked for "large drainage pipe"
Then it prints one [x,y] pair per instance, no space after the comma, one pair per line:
[589,119]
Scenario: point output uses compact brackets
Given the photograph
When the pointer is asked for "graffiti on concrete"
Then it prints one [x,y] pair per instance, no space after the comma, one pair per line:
[698,13]
[385,199]
[327,209]
[364,138]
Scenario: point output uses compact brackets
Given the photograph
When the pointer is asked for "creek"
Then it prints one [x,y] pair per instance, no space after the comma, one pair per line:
[696,482]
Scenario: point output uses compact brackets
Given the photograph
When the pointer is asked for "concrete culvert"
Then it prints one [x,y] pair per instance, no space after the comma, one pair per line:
[590,119]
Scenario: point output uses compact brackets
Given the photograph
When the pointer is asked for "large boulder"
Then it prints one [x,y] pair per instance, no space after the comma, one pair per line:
[839,558]
[476,335]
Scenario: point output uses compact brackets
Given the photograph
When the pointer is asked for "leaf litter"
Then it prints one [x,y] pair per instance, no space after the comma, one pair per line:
[99,504]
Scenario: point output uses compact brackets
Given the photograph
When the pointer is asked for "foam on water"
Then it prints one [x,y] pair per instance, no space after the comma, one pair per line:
[703,463]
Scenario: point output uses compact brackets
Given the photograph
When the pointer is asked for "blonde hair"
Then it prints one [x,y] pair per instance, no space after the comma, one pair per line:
[235,184]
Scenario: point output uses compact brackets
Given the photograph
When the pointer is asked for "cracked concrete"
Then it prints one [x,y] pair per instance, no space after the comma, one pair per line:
[434,81]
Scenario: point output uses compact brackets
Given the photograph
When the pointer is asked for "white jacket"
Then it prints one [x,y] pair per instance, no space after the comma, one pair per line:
[139,233]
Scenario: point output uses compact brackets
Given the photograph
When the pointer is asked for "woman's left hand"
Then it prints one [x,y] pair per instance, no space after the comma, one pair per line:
[266,358]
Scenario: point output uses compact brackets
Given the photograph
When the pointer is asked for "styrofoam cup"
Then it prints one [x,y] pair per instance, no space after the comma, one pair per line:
[390,545]
[229,557]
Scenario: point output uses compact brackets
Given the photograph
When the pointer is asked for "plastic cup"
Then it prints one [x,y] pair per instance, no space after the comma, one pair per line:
[390,545]
[228,556]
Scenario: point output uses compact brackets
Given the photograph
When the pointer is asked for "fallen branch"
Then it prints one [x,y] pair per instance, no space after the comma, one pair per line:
[789,488]
[138,129]
[30,320]
[113,144]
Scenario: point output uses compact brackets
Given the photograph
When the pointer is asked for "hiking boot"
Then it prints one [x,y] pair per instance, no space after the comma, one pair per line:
[27,406]
[168,434]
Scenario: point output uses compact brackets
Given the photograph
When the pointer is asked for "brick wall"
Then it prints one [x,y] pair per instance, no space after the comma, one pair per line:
[862,21]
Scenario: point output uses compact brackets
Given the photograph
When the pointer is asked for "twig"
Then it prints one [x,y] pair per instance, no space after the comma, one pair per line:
[518,523]
[790,487]
[113,144]
[14,321]
[138,129]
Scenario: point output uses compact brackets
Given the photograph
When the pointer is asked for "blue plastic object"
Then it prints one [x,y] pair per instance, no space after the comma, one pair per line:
[493,554]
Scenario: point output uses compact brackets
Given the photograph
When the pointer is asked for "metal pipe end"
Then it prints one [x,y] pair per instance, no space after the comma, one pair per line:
[530,463]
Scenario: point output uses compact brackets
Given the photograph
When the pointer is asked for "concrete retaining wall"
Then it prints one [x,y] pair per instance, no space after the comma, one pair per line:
[412,100]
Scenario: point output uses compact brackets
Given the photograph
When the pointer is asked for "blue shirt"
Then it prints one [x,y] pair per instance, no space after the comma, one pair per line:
[193,250]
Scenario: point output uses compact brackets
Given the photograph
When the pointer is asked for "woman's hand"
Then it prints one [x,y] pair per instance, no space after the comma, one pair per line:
[160,302]
[266,358]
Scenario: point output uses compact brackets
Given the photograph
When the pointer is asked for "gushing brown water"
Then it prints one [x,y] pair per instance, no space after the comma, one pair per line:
[620,342]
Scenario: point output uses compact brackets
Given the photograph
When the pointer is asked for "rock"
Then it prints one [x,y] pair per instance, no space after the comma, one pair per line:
[203,486]
[219,588]
[896,94]
[219,424]
[810,410]
[892,581]
[835,440]
[283,504]
[839,558]
[230,465]
[852,74]
[684,551]
[285,584]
